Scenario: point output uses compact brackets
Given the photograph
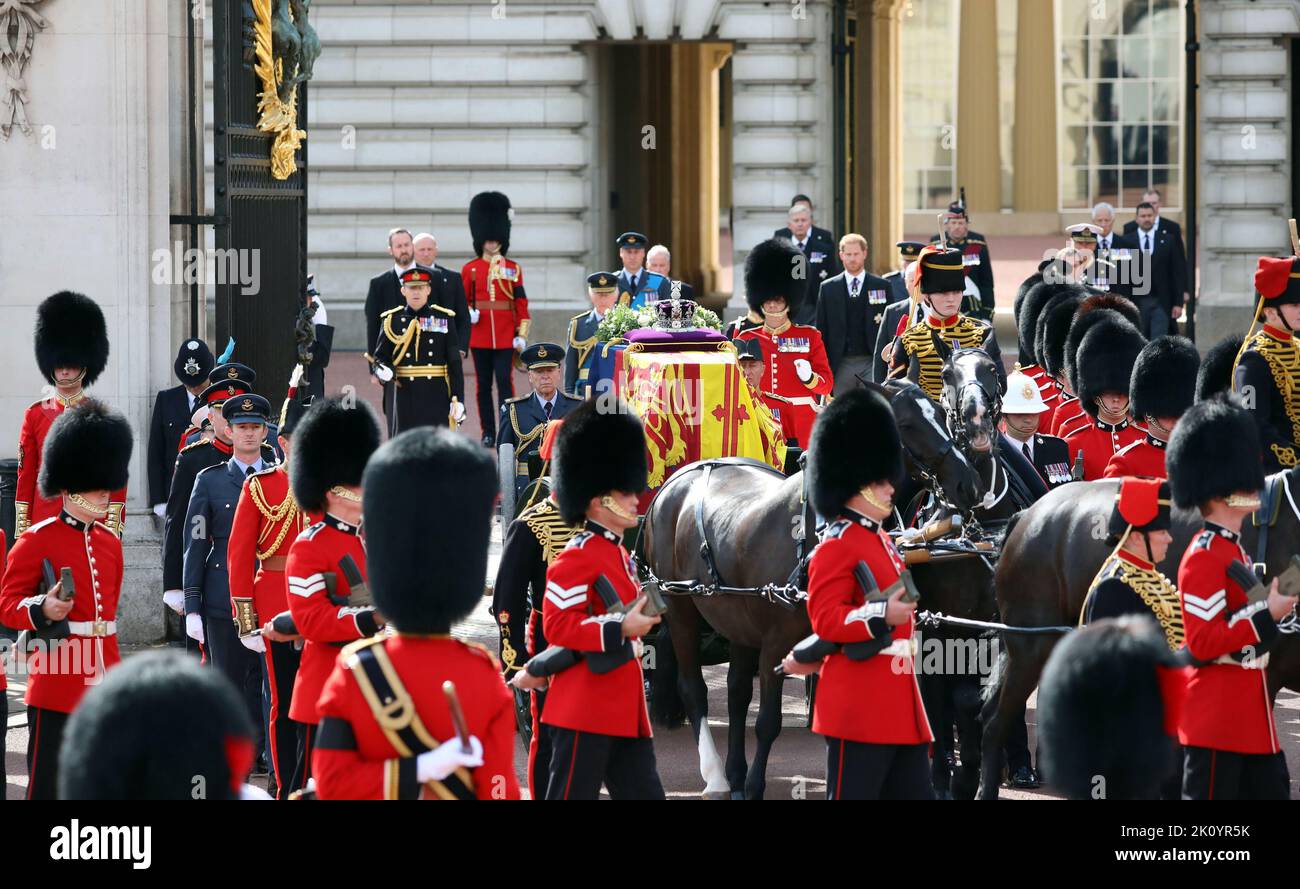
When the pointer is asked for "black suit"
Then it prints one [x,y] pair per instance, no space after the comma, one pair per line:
[1131,227]
[823,263]
[171,417]
[1158,280]
[453,288]
[823,234]
[850,325]
[1051,458]
[884,336]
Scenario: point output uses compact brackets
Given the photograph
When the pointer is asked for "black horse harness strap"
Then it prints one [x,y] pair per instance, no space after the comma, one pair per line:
[1270,506]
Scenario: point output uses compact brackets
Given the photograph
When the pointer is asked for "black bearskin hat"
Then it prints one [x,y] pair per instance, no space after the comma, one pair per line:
[1215,375]
[70,332]
[1035,296]
[489,220]
[600,448]
[330,447]
[403,538]
[193,363]
[1089,313]
[1214,452]
[87,448]
[1053,328]
[156,721]
[1102,711]
[770,271]
[855,443]
[1164,378]
[1105,360]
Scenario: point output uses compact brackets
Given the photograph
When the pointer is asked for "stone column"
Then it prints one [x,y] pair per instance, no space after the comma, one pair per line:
[1034,135]
[979,163]
[695,153]
[878,167]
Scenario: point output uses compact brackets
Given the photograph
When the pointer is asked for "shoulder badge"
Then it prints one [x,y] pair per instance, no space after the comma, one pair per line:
[515,400]
[836,529]
[579,540]
[392,311]
[311,531]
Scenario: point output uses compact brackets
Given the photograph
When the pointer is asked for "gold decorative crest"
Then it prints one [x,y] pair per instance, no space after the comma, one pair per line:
[279,114]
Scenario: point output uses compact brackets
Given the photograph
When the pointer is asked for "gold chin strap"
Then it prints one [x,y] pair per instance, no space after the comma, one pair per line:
[1243,501]
[344,493]
[88,506]
[875,501]
[612,505]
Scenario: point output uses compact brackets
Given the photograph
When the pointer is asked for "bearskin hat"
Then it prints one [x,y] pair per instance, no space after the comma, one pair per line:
[1103,711]
[403,538]
[87,448]
[157,720]
[601,448]
[490,216]
[1164,378]
[1053,327]
[1089,313]
[770,271]
[1034,297]
[1214,452]
[1105,359]
[1215,375]
[855,443]
[330,447]
[70,332]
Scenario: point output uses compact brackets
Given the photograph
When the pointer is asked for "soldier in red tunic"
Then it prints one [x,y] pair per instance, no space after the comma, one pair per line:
[387,729]
[331,445]
[71,351]
[1163,386]
[1103,368]
[1053,328]
[498,306]
[797,367]
[1230,743]
[75,631]
[868,709]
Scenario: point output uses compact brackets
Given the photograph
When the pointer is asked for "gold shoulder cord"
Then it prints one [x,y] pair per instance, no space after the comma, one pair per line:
[551,531]
[287,512]
[1284,364]
[403,342]
[1161,596]
[524,439]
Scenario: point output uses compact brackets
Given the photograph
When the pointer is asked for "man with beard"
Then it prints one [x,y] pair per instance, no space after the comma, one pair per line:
[386,293]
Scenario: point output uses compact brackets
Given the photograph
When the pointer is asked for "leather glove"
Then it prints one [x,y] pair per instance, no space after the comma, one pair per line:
[520,343]
[160,510]
[457,412]
[383,373]
[194,628]
[447,757]
[253,643]
[175,600]
[803,369]
[473,316]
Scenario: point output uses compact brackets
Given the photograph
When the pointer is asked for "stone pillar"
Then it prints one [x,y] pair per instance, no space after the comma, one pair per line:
[979,164]
[84,201]
[1034,135]
[1247,162]
[878,167]
[695,154]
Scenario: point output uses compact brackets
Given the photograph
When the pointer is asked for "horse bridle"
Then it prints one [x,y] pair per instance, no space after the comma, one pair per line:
[952,412]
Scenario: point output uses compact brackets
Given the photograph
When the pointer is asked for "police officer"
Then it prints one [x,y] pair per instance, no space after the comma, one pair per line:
[974,250]
[1104,367]
[85,457]
[208,521]
[172,410]
[602,289]
[71,352]
[637,285]
[1163,386]
[417,349]
[524,419]
[1269,366]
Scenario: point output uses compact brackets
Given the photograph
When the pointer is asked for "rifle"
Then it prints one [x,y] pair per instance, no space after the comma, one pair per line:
[57,629]
[557,659]
[1288,582]
[358,593]
[1076,472]
[814,648]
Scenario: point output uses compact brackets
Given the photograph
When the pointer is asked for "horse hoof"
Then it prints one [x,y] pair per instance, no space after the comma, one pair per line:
[717,794]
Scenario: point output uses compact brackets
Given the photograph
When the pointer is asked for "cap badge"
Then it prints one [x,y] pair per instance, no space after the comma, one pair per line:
[191,367]
[232,390]
[248,404]
[541,352]
[232,373]
[1029,391]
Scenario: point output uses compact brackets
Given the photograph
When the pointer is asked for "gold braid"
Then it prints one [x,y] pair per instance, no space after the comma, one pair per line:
[287,512]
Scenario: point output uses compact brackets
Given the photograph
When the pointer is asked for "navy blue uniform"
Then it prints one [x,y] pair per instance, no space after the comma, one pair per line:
[579,352]
[523,424]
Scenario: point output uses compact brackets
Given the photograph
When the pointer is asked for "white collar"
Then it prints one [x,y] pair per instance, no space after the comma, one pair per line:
[1018,444]
[544,402]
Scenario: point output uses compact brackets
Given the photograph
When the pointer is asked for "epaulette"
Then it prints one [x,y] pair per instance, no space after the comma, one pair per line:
[578,317]
[482,651]
[388,312]
[580,540]
[1128,447]
[311,531]
[517,399]
[267,471]
[353,647]
[268,445]
[980,241]
[571,397]
[41,524]
[836,529]
[200,443]
[1203,539]
[207,469]
[775,397]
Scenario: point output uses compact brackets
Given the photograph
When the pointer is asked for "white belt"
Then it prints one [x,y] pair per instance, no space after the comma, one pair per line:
[1256,663]
[92,627]
[899,647]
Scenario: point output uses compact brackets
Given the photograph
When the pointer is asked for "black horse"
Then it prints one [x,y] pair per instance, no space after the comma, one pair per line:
[1051,554]
[767,527]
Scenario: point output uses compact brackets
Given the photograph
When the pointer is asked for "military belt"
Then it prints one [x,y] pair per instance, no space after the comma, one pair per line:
[500,305]
[274,563]
[92,627]
[423,372]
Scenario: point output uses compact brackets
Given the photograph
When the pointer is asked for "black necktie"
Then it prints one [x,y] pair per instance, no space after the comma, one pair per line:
[547,407]
[1028,456]
[248,472]
[1146,243]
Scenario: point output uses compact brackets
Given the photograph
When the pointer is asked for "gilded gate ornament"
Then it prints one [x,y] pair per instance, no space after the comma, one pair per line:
[285,48]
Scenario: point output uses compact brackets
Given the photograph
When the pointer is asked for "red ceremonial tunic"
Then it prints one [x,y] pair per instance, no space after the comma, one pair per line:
[1100,442]
[95,556]
[1227,705]
[780,351]
[1067,413]
[29,505]
[782,411]
[1047,386]
[266,524]
[375,769]
[4,546]
[326,627]
[573,616]
[877,700]
[1145,457]
[500,300]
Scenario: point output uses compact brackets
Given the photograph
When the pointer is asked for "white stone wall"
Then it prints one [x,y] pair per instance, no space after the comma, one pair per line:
[1246,160]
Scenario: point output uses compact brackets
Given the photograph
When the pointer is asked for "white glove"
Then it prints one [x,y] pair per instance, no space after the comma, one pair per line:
[447,757]
[803,369]
[520,343]
[383,373]
[473,316]
[175,600]
[458,412]
[194,628]
[160,510]
[253,643]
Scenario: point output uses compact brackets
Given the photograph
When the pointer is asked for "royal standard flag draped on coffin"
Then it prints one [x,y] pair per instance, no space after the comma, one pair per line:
[696,406]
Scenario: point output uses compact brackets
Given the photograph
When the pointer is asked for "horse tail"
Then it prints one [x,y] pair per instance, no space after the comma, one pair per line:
[989,693]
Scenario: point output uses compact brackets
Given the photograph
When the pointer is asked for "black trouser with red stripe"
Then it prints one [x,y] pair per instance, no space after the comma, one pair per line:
[582,761]
[306,743]
[44,738]
[490,363]
[279,668]
[855,770]
[1221,774]
[539,749]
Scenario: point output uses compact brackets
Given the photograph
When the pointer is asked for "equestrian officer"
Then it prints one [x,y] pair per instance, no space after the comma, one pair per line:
[1269,367]
[524,419]
[1104,368]
[71,352]
[1163,386]
[637,285]
[387,727]
[85,457]
[417,349]
[869,710]
[330,447]
[1230,743]
[602,290]
[974,250]
[793,354]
